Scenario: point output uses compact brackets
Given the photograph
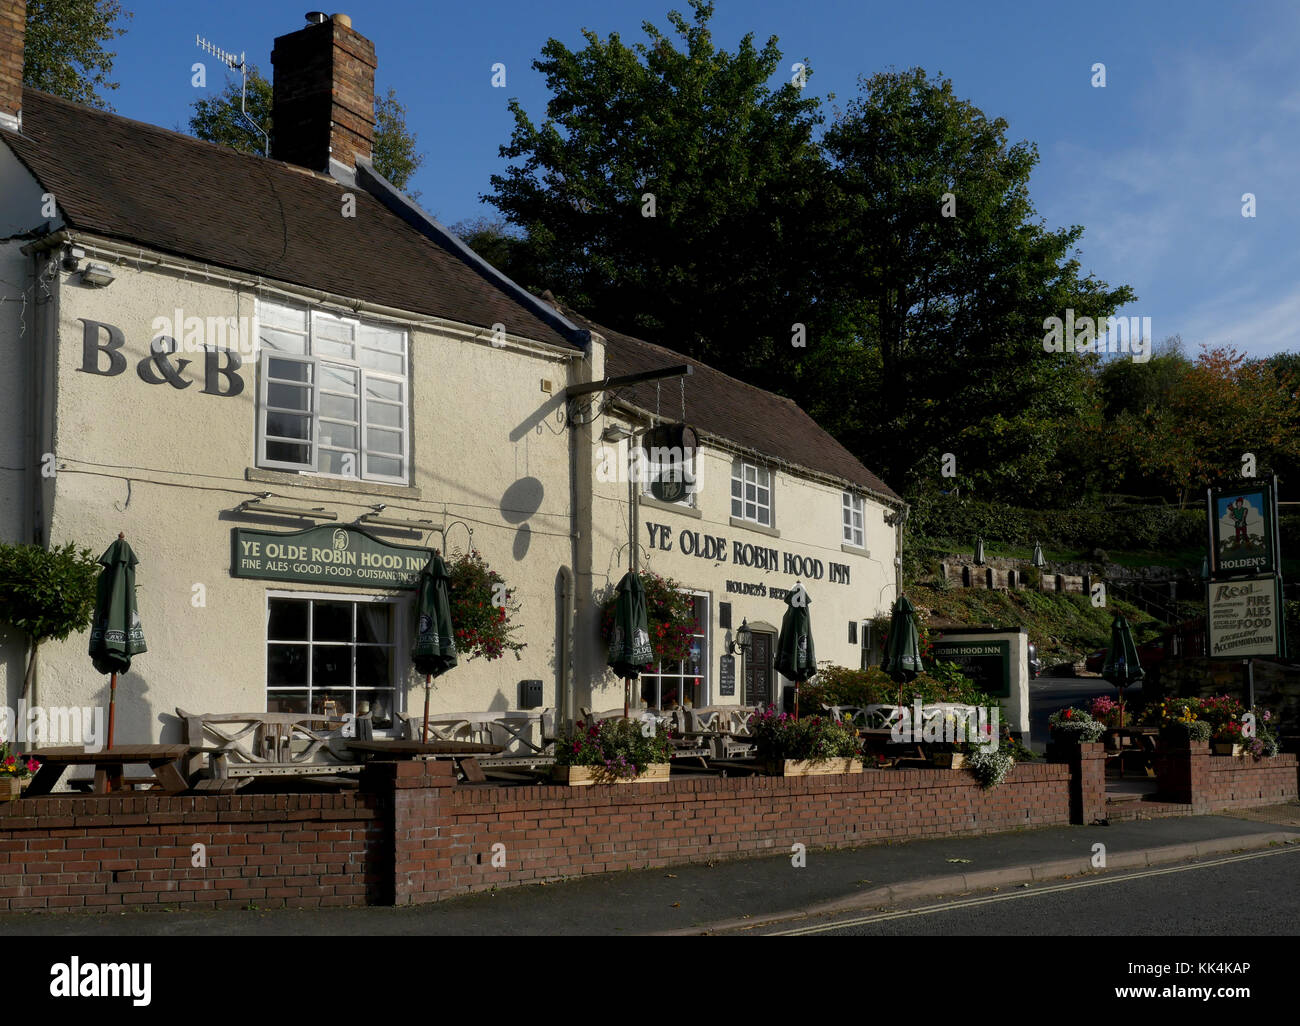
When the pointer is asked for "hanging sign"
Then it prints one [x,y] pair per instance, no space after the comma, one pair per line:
[1245,618]
[326,555]
[1243,529]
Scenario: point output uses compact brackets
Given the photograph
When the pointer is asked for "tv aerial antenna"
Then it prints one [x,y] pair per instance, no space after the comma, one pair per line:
[237,64]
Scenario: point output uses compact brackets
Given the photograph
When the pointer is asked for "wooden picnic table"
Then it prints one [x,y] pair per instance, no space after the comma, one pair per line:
[164,760]
[876,739]
[463,752]
[1143,747]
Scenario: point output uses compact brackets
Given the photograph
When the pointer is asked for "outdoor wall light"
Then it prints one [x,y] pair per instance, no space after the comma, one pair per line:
[98,275]
[614,433]
[742,641]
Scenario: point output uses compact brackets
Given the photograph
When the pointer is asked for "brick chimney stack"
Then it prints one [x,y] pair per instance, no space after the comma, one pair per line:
[13,28]
[324,94]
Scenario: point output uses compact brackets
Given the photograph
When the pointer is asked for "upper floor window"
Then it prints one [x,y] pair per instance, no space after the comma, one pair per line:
[333,395]
[853,512]
[751,493]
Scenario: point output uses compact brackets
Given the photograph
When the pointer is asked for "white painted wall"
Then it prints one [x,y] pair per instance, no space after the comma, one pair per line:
[166,466]
[807,515]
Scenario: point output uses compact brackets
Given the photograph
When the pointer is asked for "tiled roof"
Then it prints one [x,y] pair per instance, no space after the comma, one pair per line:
[132,181]
[743,414]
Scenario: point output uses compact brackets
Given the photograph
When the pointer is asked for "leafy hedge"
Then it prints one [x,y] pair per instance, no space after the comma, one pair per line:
[1149,527]
[841,685]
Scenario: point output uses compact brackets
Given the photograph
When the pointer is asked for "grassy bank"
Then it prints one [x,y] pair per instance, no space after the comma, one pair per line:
[1064,627]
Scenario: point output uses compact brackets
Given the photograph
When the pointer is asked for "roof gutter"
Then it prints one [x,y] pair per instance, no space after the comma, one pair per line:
[401,205]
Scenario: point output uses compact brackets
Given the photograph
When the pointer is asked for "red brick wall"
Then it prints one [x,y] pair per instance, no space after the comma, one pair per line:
[555,832]
[412,835]
[1211,783]
[115,852]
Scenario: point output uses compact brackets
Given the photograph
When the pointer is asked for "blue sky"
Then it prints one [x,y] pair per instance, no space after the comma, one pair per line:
[1201,105]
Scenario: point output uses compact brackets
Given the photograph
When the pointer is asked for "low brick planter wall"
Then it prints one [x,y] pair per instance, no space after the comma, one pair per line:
[412,835]
[555,832]
[1211,783]
[129,851]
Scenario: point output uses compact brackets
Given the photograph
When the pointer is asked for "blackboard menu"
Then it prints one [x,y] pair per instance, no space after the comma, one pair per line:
[727,677]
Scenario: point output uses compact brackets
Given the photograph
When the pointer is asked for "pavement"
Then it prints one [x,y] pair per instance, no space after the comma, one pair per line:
[729,895]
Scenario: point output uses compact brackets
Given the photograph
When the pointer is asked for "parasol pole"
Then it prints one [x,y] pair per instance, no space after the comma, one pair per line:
[112,706]
[427,680]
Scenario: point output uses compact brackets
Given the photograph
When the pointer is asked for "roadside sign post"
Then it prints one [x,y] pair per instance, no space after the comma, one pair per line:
[1245,613]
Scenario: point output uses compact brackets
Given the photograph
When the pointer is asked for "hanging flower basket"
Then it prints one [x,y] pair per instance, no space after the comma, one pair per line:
[483,609]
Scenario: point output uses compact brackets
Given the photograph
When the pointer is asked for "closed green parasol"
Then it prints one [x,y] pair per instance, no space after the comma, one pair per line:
[1122,667]
[1038,560]
[902,658]
[434,652]
[115,631]
[795,657]
[979,552]
[629,640]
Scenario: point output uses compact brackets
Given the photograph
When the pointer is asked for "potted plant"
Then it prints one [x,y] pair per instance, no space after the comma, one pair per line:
[810,746]
[614,751]
[1224,715]
[1264,745]
[16,771]
[1106,710]
[1074,726]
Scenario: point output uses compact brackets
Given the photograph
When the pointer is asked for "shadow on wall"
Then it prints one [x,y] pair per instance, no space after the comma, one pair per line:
[13,663]
[520,501]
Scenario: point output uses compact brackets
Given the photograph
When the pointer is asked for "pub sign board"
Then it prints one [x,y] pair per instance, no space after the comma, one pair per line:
[1243,529]
[1245,618]
[326,554]
[987,663]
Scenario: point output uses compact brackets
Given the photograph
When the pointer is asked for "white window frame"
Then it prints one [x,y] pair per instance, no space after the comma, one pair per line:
[853,509]
[706,656]
[364,375]
[740,475]
[401,642]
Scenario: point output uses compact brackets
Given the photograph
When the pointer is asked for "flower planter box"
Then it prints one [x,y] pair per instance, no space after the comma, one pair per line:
[814,768]
[584,776]
[1227,748]
[12,787]
[948,760]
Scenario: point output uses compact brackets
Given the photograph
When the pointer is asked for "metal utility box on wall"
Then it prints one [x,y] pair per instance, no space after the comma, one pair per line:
[530,694]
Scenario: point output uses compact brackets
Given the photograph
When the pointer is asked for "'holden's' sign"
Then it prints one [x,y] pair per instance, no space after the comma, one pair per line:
[326,555]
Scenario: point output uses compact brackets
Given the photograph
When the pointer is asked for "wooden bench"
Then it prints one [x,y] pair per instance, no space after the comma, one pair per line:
[266,744]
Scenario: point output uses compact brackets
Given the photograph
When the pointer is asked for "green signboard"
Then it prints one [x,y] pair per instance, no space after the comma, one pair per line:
[987,663]
[325,555]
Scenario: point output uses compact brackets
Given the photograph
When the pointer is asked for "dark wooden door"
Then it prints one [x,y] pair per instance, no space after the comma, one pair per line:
[758,670]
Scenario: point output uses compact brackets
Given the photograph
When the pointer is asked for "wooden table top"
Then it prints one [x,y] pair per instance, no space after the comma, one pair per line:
[78,756]
[399,747]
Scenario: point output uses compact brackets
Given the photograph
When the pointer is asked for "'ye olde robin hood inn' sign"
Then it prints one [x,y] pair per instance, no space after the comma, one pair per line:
[326,555]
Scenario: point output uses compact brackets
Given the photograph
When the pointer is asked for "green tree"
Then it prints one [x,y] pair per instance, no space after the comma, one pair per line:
[64,49]
[217,119]
[697,137]
[46,593]
[943,279]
